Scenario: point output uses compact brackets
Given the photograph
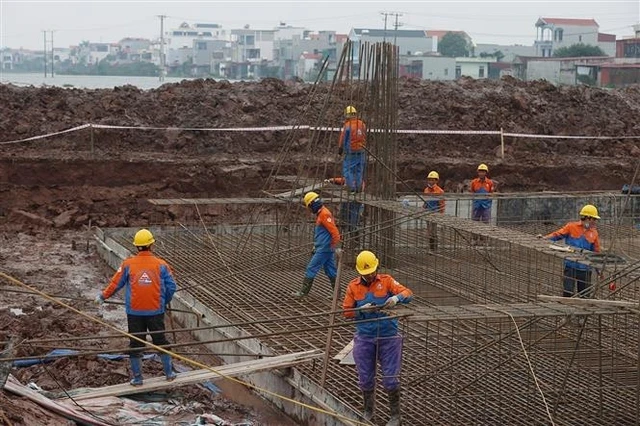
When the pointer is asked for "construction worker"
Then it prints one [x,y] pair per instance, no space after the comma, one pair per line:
[350,212]
[376,341]
[325,244]
[481,210]
[352,144]
[435,205]
[582,235]
[148,287]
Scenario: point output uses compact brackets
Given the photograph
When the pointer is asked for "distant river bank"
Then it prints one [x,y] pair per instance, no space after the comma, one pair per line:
[85,81]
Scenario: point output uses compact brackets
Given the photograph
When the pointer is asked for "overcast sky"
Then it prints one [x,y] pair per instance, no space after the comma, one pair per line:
[503,22]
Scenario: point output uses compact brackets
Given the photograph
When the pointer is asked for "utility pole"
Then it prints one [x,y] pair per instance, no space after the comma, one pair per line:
[52,54]
[162,60]
[45,53]
[395,30]
[385,14]
[395,25]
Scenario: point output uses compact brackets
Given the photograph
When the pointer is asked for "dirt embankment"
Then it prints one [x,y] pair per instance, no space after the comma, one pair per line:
[59,182]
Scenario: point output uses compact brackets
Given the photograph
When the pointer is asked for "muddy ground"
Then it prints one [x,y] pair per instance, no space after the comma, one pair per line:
[65,263]
[53,191]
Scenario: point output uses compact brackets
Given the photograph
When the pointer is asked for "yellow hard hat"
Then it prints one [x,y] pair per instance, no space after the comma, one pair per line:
[309,198]
[350,110]
[143,238]
[590,211]
[483,167]
[366,263]
[433,175]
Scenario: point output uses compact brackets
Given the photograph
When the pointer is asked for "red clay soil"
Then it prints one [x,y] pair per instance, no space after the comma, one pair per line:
[56,184]
[62,263]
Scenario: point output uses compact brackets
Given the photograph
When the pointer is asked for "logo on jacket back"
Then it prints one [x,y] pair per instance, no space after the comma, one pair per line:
[145,279]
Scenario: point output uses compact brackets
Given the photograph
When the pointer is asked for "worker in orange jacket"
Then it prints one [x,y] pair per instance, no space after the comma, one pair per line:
[481,210]
[433,204]
[582,235]
[326,238]
[350,211]
[352,142]
[377,340]
[148,287]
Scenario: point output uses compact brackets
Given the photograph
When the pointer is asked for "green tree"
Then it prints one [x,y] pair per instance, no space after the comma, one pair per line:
[579,49]
[497,54]
[454,45]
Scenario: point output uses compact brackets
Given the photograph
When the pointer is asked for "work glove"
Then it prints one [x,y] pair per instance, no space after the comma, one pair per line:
[391,302]
[326,181]
[99,300]
[340,150]
[338,251]
[369,307]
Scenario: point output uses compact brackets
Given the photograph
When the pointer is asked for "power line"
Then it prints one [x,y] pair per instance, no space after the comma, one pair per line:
[395,25]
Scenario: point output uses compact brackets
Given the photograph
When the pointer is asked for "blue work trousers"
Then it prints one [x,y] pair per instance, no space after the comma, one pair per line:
[353,167]
[580,278]
[368,351]
[321,259]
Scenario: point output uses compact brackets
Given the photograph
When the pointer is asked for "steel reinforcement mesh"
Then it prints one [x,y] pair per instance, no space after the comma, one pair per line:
[463,364]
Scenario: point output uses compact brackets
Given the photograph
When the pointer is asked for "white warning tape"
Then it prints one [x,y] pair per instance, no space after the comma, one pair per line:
[201,129]
[33,138]
[531,135]
[316,128]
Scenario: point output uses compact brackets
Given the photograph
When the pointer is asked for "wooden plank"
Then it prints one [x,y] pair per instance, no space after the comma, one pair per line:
[211,201]
[14,386]
[344,351]
[197,376]
[348,360]
[632,306]
[300,191]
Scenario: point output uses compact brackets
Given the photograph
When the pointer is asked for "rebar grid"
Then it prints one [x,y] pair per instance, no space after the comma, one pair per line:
[462,364]
[469,367]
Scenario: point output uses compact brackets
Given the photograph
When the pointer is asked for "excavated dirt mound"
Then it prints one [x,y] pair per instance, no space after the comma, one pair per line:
[59,182]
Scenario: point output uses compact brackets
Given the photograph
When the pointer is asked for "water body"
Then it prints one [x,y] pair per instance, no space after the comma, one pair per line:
[85,81]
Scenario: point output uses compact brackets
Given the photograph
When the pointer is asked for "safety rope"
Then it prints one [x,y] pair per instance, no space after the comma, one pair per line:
[180,357]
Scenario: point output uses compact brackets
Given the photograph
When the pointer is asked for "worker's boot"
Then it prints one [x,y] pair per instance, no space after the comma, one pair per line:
[433,244]
[167,366]
[332,281]
[136,370]
[369,404]
[306,287]
[394,408]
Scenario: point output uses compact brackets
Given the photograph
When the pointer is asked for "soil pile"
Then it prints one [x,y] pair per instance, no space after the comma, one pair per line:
[59,182]
[516,106]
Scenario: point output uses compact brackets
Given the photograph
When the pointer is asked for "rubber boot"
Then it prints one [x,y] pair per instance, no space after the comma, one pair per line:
[332,281]
[394,408]
[306,287]
[369,404]
[167,366]
[136,370]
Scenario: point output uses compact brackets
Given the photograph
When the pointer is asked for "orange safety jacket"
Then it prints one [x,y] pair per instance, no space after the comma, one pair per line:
[576,235]
[148,284]
[353,135]
[434,204]
[326,236]
[482,186]
[359,293]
